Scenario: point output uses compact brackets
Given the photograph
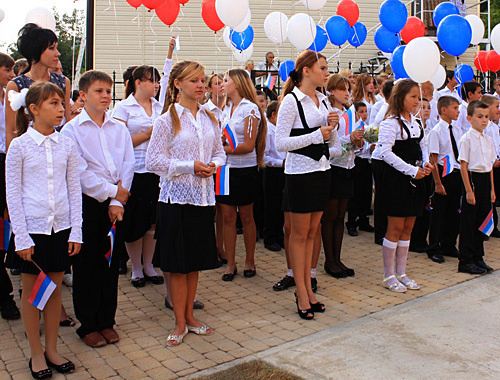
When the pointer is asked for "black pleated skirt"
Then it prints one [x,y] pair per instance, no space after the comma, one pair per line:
[305,193]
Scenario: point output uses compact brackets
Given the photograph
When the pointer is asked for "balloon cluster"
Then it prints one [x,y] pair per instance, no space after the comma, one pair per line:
[166,10]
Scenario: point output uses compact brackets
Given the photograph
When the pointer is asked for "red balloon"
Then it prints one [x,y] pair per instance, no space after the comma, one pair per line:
[182,1]
[210,16]
[168,11]
[135,3]
[152,4]
[349,10]
[414,28]
[480,61]
[493,61]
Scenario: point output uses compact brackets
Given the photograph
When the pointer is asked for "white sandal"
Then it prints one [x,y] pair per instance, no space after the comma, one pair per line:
[202,330]
[176,339]
[410,284]
[396,287]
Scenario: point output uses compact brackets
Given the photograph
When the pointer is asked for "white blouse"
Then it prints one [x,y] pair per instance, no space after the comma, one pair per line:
[172,156]
[212,107]
[288,119]
[272,157]
[43,187]
[477,150]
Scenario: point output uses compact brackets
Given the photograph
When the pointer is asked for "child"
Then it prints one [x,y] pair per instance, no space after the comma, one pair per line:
[470,92]
[364,91]
[445,217]
[106,171]
[451,86]
[477,155]
[44,199]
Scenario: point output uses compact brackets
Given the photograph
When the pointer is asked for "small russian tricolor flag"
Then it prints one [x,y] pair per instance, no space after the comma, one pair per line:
[270,82]
[447,168]
[42,290]
[222,180]
[112,235]
[488,225]
[348,117]
[230,136]
[5,233]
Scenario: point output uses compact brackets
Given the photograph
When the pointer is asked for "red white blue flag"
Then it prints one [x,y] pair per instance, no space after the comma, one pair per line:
[42,290]
[270,82]
[231,138]
[488,224]
[447,168]
[5,233]
[112,235]
[222,180]
[348,117]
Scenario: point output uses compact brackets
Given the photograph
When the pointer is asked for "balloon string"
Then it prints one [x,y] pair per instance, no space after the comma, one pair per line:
[312,27]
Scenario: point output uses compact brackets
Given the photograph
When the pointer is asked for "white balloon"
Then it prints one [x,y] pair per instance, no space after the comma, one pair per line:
[439,77]
[477,26]
[314,5]
[301,30]
[275,27]
[42,17]
[243,56]
[421,59]
[495,38]
[2,15]
[231,12]
[226,37]
[242,27]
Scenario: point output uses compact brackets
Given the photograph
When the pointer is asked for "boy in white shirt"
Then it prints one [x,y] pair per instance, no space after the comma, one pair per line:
[470,92]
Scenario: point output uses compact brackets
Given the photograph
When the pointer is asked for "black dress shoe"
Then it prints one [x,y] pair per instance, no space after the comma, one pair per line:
[198,305]
[341,274]
[349,272]
[284,283]
[470,268]
[122,267]
[482,264]
[138,282]
[314,284]
[352,231]
[43,374]
[67,367]
[274,247]
[229,276]
[249,272]
[156,280]
[10,311]
[495,233]
[437,258]
[366,227]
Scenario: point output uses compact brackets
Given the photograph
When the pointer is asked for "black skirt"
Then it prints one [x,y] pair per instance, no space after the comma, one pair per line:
[243,187]
[185,238]
[342,184]
[305,193]
[140,210]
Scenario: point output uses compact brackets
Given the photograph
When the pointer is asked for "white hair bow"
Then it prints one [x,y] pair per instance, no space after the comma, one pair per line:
[17,99]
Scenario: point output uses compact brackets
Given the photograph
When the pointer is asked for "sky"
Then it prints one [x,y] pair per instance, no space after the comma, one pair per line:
[15,15]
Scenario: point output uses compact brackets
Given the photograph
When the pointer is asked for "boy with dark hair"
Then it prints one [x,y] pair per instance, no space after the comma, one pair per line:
[477,155]
[451,86]
[470,91]
[106,171]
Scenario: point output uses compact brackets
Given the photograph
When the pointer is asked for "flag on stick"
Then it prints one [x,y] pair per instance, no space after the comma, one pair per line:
[222,180]
[112,235]
[488,225]
[231,137]
[42,290]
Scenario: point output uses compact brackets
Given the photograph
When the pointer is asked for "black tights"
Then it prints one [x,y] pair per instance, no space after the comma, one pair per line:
[332,233]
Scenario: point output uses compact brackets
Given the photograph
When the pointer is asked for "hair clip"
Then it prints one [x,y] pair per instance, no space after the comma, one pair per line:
[17,99]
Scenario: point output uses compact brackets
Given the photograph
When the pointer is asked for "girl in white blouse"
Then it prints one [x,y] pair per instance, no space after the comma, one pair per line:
[245,116]
[364,91]
[138,111]
[185,150]
[401,188]
[45,206]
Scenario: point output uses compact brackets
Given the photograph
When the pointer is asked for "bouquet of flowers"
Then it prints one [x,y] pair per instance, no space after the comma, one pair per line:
[371,134]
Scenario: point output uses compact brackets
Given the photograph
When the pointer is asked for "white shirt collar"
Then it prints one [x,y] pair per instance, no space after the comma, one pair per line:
[211,105]
[476,133]
[39,138]
[300,95]
[132,101]
[84,117]
[180,109]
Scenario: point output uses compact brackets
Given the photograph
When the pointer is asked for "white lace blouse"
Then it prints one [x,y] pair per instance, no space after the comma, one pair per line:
[172,157]
[43,187]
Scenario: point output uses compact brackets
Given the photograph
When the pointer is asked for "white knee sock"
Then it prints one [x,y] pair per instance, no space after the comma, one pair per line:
[389,254]
[402,256]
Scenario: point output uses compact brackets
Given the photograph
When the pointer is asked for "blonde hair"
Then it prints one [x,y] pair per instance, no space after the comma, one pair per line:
[346,72]
[359,94]
[489,99]
[337,82]
[246,90]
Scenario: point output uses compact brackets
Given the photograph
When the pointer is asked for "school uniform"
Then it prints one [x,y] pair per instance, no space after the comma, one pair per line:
[106,156]
[445,217]
[307,166]
[217,112]
[375,109]
[185,230]
[478,151]
[447,92]
[462,121]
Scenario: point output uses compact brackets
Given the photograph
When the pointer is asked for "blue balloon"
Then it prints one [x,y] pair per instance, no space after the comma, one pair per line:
[397,65]
[385,40]
[337,29]
[454,34]
[357,35]
[459,89]
[320,41]
[443,10]
[464,73]
[285,68]
[243,40]
[393,15]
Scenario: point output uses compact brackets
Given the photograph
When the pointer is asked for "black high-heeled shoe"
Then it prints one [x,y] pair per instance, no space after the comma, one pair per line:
[229,276]
[318,307]
[67,367]
[304,314]
[43,374]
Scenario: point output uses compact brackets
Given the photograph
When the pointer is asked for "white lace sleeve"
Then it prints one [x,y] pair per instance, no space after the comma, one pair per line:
[334,146]
[74,195]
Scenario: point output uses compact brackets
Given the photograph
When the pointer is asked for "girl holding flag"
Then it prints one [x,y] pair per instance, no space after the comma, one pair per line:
[45,204]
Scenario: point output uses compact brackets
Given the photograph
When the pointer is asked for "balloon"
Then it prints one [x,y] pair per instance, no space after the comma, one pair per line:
[183,2]
[227,39]
[464,73]
[443,10]
[153,4]
[314,5]
[275,27]
[393,14]
[349,10]
[320,40]
[168,11]
[42,17]
[480,61]
[338,30]
[243,40]
[459,90]
[397,63]
[243,55]
[301,30]
[385,40]
[477,26]
[209,15]
[285,68]
[439,78]
[245,23]
[493,61]
[2,15]
[231,12]
[495,38]
[357,35]
[414,28]
[135,3]
[421,59]
[454,34]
